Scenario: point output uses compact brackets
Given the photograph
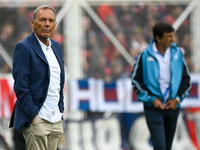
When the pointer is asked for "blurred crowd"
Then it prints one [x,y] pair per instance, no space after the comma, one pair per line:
[15,26]
[130,24]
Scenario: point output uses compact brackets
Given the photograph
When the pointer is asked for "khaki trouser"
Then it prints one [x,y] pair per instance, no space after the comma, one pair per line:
[43,135]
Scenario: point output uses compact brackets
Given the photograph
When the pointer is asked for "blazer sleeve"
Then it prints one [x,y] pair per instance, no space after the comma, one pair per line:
[21,75]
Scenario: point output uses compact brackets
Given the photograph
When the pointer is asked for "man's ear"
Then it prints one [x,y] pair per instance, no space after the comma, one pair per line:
[158,39]
[32,24]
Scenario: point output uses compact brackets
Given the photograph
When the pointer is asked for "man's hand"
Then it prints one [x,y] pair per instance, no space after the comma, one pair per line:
[158,104]
[33,119]
[171,104]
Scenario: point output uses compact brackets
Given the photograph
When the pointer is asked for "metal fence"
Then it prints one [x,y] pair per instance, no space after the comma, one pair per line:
[131,25]
[99,40]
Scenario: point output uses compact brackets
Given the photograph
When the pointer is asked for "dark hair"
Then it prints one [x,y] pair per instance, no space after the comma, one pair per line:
[43,7]
[160,28]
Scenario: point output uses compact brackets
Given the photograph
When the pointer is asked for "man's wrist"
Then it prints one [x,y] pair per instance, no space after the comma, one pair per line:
[178,99]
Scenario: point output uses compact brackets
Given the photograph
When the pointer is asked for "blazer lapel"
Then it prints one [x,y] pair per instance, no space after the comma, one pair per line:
[56,52]
[37,48]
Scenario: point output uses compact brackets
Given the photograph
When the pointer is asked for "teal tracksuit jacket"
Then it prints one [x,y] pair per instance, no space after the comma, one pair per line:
[146,74]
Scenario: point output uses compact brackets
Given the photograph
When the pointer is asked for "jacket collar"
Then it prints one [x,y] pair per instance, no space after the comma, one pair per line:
[173,49]
[36,47]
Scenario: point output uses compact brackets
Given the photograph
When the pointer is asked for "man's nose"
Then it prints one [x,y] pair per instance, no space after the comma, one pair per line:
[172,38]
[47,22]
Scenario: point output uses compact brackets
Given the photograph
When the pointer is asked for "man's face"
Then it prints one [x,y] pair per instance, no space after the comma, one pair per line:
[44,24]
[167,39]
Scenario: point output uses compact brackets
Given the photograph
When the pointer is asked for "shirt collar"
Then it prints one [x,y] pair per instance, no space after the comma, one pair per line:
[43,46]
[156,50]
[154,47]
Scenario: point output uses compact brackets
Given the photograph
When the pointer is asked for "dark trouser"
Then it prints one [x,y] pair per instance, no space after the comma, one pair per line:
[19,142]
[162,126]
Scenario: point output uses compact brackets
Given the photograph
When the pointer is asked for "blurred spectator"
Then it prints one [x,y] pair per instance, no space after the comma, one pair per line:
[7,14]
[122,40]
[108,16]
[108,74]
[88,32]
[95,50]
[110,51]
[186,45]
[147,30]
[104,11]
[155,12]
[86,68]
[176,40]
[7,40]
[22,19]
[57,36]
[112,23]
[117,69]
[137,43]
[174,13]
[99,71]
[138,12]
[23,35]
[92,48]
[127,22]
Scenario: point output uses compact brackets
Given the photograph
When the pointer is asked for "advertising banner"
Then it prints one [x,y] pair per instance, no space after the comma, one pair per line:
[96,95]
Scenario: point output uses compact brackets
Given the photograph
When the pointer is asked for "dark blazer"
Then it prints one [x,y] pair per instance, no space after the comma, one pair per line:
[31,75]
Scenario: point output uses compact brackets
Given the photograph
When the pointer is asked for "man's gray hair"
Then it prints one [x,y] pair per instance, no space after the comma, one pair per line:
[43,7]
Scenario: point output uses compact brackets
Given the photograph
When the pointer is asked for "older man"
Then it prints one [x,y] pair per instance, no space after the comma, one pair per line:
[38,73]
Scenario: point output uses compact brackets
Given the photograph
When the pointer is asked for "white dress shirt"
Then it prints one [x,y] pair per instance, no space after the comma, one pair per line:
[165,71]
[50,110]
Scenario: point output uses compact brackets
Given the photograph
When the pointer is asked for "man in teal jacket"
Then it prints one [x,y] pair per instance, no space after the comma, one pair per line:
[161,81]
